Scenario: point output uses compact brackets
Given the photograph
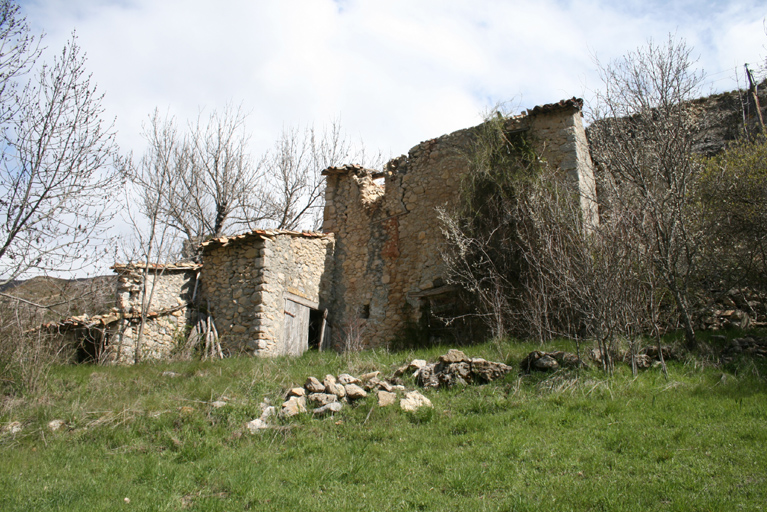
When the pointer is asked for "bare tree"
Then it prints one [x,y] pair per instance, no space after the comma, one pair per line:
[216,187]
[583,282]
[153,181]
[213,174]
[59,169]
[642,139]
[519,243]
[18,52]
[294,188]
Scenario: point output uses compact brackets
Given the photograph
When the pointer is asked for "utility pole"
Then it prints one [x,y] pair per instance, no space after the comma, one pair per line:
[752,90]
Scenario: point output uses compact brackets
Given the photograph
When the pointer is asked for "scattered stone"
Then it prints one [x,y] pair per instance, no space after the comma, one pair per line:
[368,376]
[401,370]
[455,374]
[293,406]
[748,346]
[256,425]
[453,356]
[455,368]
[399,387]
[738,307]
[414,366]
[13,427]
[296,392]
[550,361]
[643,361]
[382,384]
[336,389]
[322,399]
[414,401]
[670,353]
[565,359]
[218,404]
[330,408]
[345,379]
[313,385]
[56,425]
[332,386]
[427,376]
[354,392]
[546,363]
[385,398]
[168,373]
[487,371]
[268,413]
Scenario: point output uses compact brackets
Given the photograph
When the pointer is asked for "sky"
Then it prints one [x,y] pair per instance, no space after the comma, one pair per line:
[392,72]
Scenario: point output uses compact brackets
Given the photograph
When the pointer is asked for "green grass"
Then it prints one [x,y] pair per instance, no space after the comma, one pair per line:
[567,441]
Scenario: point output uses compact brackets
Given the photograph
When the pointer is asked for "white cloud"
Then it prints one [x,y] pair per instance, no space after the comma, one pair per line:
[395,72]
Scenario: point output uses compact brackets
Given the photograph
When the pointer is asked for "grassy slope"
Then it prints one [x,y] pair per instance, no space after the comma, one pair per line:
[563,442]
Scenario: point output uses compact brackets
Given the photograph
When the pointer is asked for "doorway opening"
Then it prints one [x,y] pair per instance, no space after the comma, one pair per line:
[316,319]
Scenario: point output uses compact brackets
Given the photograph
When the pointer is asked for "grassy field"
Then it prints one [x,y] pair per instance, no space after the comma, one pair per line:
[138,440]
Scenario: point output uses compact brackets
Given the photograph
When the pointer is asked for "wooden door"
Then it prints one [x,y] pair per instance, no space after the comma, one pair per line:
[296,338]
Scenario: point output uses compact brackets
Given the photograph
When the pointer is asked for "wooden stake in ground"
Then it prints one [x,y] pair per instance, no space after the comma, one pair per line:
[752,90]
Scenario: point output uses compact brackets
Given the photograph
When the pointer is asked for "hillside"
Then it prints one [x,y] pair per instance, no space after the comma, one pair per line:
[173,436]
[62,296]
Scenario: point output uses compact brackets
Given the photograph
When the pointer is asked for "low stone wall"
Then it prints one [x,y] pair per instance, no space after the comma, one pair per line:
[246,278]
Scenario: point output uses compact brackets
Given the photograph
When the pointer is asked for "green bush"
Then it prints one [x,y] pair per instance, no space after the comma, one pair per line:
[732,202]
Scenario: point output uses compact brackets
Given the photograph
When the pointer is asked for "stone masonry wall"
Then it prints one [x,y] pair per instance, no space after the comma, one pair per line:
[388,236]
[168,311]
[245,278]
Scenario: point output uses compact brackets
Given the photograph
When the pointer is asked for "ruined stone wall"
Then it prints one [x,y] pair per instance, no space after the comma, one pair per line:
[724,118]
[388,236]
[245,278]
[168,313]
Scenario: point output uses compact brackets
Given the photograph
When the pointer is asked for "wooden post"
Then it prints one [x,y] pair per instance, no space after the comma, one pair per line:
[322,329]
[754,93]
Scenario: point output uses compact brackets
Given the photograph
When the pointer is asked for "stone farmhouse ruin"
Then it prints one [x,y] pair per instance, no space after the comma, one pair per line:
[374,270]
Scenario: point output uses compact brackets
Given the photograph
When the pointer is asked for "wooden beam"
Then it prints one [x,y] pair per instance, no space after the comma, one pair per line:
[450,288]
[301,300]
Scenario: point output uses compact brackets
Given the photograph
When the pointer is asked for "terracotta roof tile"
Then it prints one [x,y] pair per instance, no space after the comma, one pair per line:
[88,322]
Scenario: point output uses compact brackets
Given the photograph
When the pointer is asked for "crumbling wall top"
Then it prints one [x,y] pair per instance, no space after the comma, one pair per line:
[130,267]
[570,104]
[256,234]
[354,169]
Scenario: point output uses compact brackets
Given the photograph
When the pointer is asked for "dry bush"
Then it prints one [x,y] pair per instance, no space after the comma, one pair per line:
[350,339]
[26,350]
[25,356]
[642,137]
